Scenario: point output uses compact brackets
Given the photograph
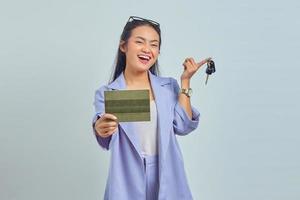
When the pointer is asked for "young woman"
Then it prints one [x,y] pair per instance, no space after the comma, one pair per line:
[146,162]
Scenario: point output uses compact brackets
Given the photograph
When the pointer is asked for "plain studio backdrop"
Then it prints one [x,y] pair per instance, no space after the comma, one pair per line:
[55,54]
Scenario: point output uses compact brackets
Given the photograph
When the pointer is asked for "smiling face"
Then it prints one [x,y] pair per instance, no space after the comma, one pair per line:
[141,49]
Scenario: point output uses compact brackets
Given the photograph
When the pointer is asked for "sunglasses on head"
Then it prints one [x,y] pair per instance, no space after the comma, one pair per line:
[135,18]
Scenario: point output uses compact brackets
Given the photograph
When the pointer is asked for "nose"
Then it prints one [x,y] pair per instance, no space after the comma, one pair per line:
[146,48]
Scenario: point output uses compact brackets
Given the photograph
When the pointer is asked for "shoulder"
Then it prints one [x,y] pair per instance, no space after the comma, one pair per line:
[166,80]
[99,93]
[168,83]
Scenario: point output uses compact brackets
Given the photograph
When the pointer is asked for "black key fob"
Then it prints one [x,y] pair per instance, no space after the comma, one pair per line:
[210,67]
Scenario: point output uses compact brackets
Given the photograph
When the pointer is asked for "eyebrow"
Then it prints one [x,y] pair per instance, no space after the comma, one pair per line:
[139,37]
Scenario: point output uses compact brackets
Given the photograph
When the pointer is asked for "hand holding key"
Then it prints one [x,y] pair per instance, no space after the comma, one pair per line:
[191,67]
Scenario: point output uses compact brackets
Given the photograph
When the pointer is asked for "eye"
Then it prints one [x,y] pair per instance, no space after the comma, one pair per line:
[154,45]
[139,42]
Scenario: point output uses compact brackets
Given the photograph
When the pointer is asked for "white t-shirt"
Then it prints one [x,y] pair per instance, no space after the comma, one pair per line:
[147,132]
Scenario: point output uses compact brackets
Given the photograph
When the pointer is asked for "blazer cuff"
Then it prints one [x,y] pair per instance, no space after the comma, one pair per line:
[187,124]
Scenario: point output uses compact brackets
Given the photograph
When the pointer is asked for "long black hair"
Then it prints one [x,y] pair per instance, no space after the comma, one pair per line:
[120,62]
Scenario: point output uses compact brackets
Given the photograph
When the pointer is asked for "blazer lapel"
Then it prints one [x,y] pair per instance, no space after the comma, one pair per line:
[163,112]
[120,84]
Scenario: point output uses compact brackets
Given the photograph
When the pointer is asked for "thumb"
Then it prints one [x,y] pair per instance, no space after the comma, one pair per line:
[202,62]
[108,116]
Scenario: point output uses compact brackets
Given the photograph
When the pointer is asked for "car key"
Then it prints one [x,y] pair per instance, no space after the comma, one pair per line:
[210,69]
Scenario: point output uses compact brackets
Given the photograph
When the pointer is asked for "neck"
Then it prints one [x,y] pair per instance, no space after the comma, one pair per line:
[134,78]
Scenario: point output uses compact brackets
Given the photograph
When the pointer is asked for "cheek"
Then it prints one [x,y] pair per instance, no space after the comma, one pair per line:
[131,48]
[155,53]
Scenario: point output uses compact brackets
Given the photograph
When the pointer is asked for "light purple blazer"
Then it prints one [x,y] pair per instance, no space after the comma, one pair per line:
[126,178]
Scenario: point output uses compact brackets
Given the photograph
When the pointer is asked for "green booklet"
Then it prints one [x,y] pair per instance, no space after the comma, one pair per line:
[128,105]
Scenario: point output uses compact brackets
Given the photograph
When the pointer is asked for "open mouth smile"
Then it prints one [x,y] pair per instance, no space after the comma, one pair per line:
[144,58]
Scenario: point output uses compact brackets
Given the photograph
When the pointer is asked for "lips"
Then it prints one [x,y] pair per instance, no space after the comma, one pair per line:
[144,58]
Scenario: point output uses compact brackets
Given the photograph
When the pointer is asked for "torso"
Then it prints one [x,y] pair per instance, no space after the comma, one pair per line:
[143,85]
[151,95]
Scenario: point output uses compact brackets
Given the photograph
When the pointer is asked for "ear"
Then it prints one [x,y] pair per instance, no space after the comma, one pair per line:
[122,46]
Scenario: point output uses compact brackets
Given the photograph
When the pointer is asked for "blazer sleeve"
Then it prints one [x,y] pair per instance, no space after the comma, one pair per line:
[182,124]
[99,111]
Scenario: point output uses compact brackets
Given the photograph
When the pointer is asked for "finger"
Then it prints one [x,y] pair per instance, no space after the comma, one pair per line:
[184,63]
[203,62]
[109,133]
[190,60]
[187,62]
[187,65]
[194,63]
[108,129]
[103,122]
[108,124]
[103,119]
[105,133]
[108,116]
[101,133]
[190,64]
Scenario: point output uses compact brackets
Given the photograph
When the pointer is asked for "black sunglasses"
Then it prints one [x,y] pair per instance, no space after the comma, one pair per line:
[135,18]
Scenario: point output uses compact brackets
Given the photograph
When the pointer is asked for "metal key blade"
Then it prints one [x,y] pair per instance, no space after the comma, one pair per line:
[206,79]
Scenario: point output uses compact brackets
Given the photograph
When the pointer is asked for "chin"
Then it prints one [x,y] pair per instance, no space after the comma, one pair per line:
[144,68]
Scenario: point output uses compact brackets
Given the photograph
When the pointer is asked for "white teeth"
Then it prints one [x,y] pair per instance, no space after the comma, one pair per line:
[145,57]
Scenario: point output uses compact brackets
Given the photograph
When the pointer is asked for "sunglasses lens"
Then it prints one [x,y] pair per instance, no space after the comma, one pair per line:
[134,18]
